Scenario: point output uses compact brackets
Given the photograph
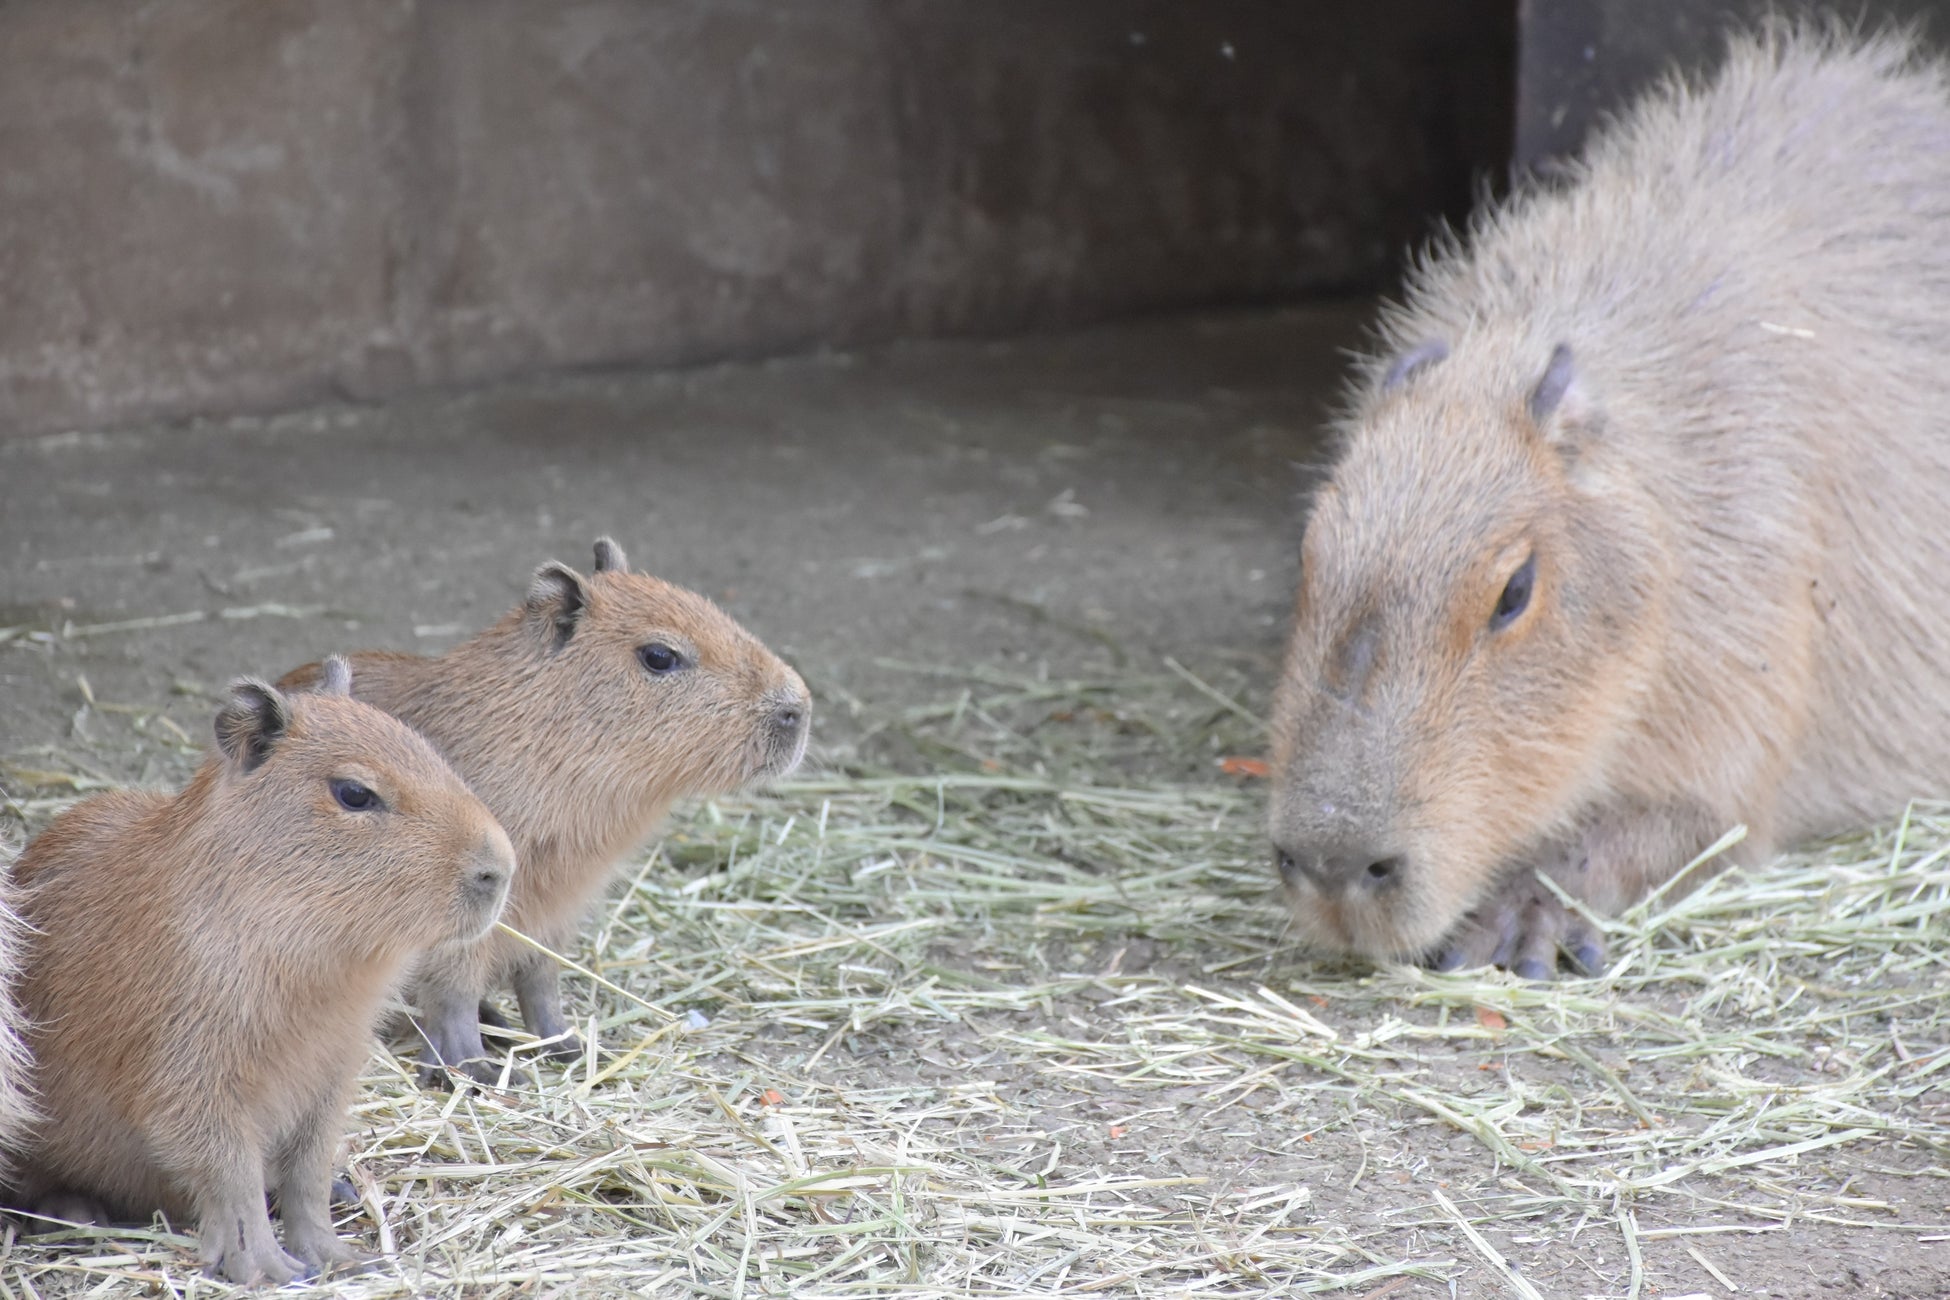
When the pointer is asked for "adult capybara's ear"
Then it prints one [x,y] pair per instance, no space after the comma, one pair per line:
[557,598]
[610,557]
[251,722]
[1412,362]
[1559,406]
[335,676]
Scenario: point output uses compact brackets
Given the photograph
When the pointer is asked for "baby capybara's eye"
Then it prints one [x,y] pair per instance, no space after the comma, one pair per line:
[354,796]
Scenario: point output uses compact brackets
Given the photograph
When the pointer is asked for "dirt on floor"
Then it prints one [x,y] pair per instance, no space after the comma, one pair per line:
[1035,503]
[910,527]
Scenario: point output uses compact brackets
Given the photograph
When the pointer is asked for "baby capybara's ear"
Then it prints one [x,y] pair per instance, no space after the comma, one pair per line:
[252,721]
[610,557]
[335,677]
[556,598]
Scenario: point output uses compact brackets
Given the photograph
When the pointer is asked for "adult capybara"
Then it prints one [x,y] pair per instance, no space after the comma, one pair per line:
[579,718]
[205,969]
[1635,534]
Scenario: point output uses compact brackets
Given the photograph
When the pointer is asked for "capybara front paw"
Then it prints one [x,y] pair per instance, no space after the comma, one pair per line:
[326,1254]
[257,1266]
[1523,928]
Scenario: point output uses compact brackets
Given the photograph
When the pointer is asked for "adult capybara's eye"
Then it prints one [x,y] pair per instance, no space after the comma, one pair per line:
[354,796]
[659,658]
[1516,595]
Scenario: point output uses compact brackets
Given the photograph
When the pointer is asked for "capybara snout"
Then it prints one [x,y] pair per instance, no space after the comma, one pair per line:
[485,875]
[781,742]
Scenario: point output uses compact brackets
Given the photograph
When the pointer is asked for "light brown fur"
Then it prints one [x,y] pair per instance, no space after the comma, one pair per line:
[1702,382]
[555,721]
[17,1108]
[206,968]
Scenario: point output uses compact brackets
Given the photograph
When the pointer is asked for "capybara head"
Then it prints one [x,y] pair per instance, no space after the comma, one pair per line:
[1479,596]
[368,824]
[626,648]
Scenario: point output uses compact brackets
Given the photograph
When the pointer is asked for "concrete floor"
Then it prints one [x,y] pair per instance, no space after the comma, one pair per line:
[1046,504]
[1054,504]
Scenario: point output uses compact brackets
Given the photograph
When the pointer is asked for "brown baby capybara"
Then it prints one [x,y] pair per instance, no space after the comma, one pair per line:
[579,718]
[205,969]
[1635,534]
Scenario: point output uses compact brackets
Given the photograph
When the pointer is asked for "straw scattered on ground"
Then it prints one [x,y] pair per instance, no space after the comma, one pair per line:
[1012,1011]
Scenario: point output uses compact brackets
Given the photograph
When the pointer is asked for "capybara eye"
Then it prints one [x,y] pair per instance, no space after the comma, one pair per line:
[1516,595]
[660,658]
[354,797]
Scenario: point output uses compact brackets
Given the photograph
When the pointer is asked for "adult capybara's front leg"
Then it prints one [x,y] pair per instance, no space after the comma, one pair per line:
[1522,927]
[1619,856]
[233,1225]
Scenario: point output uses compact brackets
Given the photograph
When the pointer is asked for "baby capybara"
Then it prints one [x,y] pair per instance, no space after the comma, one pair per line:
[205,968]
[579,718]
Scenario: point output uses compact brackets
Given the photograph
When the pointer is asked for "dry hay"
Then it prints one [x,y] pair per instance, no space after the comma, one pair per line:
[774,1115]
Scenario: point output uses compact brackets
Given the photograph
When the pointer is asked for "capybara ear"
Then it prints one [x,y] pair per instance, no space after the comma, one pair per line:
[1418,358]
[335,676]
[610,557]
[251,722]
[558,595]
[1558,405]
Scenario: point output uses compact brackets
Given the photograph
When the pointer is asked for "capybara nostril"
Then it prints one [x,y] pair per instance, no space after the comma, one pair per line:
[1338,866]
[489,879]
[788,718]
[494,862]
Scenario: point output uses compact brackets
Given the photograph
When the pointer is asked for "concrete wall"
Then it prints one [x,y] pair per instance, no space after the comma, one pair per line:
[1582,59]
[217,205]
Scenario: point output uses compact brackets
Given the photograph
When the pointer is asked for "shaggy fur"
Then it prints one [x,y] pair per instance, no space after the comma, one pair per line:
[17,1108]
[1700,385]
[205,969]
[554,719]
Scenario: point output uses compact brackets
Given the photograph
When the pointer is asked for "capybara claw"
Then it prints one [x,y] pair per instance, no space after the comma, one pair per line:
[440,1077]
[567,1049]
